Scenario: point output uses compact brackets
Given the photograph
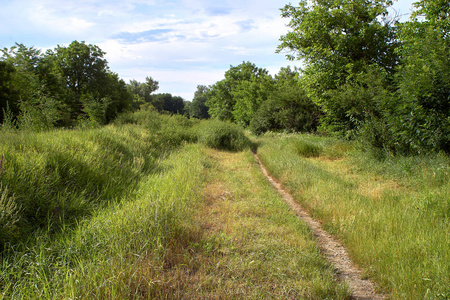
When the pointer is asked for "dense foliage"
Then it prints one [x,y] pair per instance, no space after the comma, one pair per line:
[374,78]
[365,76]
[197,108]
[69,86]
[251,97]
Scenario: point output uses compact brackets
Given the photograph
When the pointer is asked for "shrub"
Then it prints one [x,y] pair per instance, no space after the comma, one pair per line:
[307,149]
[222,135]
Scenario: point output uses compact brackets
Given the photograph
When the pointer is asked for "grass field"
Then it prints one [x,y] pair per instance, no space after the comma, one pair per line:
[392,214]
[163,207]
[250,245]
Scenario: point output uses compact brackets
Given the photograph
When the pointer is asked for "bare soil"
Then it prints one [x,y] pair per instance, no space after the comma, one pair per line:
[332,249]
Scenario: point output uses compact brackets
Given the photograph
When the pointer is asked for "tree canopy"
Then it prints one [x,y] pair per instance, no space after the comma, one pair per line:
[375,78]
[67,86]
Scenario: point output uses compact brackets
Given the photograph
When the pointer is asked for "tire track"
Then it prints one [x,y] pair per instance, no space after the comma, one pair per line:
[346,270]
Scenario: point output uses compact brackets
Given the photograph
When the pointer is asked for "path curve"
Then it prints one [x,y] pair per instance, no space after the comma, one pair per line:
[335,253]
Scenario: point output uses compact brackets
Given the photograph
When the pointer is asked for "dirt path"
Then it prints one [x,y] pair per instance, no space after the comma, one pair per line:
[330,247]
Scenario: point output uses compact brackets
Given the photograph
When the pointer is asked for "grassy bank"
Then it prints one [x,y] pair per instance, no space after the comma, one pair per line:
[100,258]
[96,213]
[51,180]
[392,214]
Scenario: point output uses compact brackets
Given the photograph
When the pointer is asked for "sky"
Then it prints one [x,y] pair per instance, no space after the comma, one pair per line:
[180,43]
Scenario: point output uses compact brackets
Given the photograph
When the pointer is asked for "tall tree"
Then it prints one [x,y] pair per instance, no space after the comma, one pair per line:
[239,95]
[168,103]
[83,69]
[287,107]
[29,96]
[142,92]
[337,40]
[220,101]
[81,65]
[422,122]
[198,108]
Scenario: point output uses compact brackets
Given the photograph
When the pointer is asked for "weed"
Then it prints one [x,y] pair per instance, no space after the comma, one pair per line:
[307,149]
[222,136]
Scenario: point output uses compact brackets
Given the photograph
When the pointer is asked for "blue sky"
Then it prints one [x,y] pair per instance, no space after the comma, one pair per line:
[180,43]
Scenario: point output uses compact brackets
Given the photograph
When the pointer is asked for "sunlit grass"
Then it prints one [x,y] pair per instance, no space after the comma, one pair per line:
[100,258]
[252,246]
[393,215]
[100,212]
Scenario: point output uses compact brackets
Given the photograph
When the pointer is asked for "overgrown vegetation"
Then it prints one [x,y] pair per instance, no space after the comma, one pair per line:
[105,254]
[223,136]
[52,179]
[391,213]
[70,86]
[106,212]
[365,76]
[79,207]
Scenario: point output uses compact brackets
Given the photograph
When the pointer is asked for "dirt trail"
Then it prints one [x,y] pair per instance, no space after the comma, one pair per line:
[330,247]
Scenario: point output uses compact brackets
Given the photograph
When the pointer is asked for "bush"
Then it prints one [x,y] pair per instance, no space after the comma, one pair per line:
[223,136]
[307,149]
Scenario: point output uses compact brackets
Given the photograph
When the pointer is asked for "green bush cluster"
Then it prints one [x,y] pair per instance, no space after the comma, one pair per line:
[307,149]
[222,136]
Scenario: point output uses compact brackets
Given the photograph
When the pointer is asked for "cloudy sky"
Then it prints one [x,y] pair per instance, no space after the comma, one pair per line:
[180,43]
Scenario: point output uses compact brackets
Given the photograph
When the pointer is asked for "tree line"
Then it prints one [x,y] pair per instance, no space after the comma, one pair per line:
[69,86]
[365,76]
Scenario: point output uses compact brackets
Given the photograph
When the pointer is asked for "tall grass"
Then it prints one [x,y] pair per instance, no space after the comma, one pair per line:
[93,213]
[103,257]
[58,177]
[392,214]
[222,136]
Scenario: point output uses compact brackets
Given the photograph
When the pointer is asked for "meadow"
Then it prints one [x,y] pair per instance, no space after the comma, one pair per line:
[80,208]
[165,207]
[391,212]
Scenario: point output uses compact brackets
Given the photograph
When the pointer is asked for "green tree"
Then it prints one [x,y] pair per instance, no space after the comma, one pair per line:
[174,105]
[287,108]
[198,108]
[337,40]
[421,121]
[55,88]
[83,69]
[93,89]
[239,95]
[115,90]
[8,100]
[168,103]
[436,13]
[220,101]
[20,64]
[29,97]
[81,65]
[142,92]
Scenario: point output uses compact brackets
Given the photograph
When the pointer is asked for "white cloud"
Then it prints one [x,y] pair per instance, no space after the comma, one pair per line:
[181,43]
